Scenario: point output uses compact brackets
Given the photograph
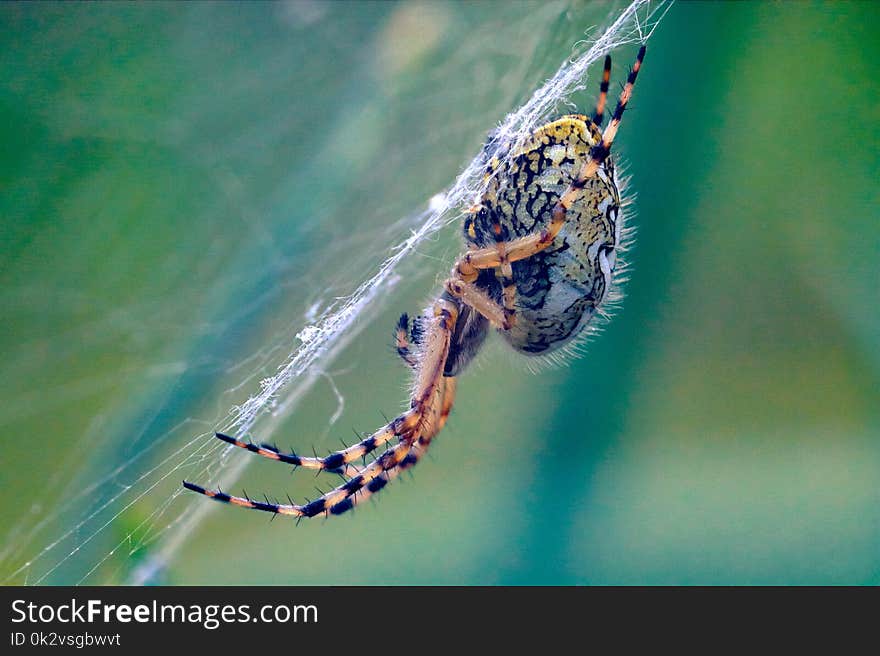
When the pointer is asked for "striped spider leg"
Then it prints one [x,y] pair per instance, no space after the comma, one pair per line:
[420,422]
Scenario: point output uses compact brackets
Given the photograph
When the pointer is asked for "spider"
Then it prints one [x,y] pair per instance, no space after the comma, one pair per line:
[541,241]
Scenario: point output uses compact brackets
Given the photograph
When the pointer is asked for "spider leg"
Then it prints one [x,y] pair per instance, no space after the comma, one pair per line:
[334,502]
[450,385]
[418,450]
[469,294]
[599,115]
[336,462]
[601,151]
[408,427]
[339,461]
[439,414]
[524,247]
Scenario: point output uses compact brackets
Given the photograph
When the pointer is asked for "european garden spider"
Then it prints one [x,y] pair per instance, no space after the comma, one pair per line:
[542,242]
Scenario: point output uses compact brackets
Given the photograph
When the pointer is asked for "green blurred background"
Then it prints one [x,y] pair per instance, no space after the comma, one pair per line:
[183,186]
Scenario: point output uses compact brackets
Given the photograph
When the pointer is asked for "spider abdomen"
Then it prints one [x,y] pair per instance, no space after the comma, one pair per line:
[559,289]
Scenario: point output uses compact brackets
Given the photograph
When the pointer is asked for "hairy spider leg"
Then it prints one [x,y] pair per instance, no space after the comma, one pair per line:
[450,385]
[523,247]
[419,448]
[336,462]
[335,502]
[469,294]
[601,153]
[599,114]
[408,427]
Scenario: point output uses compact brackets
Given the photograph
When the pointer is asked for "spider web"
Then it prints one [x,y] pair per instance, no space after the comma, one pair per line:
[80,540]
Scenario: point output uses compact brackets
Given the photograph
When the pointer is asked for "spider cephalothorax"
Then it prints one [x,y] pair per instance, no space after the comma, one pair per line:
[542,240]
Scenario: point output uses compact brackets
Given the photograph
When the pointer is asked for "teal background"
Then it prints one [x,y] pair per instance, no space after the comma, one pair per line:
[181,183]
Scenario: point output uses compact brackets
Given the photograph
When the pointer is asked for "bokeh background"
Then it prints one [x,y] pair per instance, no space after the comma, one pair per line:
[183,187]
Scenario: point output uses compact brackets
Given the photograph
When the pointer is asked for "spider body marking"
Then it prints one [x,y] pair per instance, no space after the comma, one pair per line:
[558,289]
[542,242]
